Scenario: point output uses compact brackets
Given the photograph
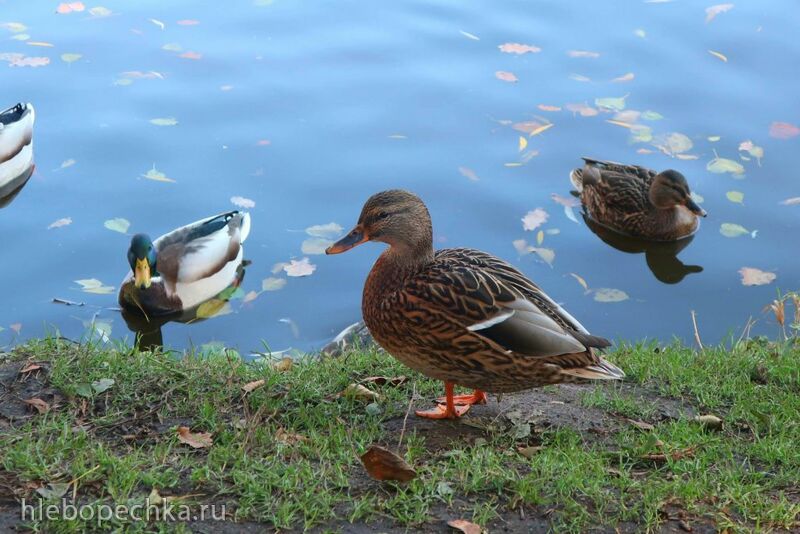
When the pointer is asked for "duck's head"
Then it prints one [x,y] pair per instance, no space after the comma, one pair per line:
[395,217]
[142,259]
[669,189]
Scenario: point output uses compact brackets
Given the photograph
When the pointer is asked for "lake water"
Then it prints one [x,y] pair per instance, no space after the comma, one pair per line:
[307,108]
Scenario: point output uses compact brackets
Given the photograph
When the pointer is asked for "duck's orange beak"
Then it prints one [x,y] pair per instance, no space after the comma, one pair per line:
[353,239]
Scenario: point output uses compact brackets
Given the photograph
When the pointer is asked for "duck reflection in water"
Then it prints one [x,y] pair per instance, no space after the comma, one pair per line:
[148,329]
[661,256]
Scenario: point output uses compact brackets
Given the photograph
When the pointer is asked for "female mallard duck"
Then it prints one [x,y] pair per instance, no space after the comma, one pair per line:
[16,149]
[636,201]
[461,315]
[185,267]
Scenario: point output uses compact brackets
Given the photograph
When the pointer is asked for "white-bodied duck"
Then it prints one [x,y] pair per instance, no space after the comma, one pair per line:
[187,266]
[16,150]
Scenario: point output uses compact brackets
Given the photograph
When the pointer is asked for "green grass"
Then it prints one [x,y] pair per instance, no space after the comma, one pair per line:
[121,444]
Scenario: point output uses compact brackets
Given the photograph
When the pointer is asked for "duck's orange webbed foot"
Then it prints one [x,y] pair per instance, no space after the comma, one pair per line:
[476,397]
[452,407]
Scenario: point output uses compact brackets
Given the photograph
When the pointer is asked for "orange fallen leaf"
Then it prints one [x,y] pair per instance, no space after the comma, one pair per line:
[191,55]
[674,455]
[255,384]
[506,76]
[289,438]
[541,129]
[545,107]
[465,526]
[383,464]
[756,277]
[517,48]
[583,109]
[30,367]
[197,440]
[783,130]
[40,405]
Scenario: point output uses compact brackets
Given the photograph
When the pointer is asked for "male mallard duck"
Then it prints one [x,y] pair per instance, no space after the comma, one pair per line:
[636,201]
[461,315]
[185,267]
[16,148]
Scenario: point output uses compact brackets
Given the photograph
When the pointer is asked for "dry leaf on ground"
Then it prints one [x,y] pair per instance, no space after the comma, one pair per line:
[197,440]
[383,464]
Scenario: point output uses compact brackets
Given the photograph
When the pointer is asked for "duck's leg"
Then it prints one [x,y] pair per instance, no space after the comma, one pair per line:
[476,397]
[448,409]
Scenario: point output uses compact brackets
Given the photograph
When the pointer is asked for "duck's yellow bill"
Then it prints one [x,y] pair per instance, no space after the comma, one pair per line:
[141,274]
[353,239]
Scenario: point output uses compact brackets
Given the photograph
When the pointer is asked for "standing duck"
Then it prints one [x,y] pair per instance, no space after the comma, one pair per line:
[461,315]
[16,149]
[636,201]
[185,267]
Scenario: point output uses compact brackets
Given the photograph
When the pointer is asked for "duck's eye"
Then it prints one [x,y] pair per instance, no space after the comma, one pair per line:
[382,215]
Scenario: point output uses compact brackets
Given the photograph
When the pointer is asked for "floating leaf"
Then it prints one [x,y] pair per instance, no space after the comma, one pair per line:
[172,47]
[794,201]
[20,36]
[534,219]
[735,196]
[272,284]
[70,58]
[197,440]
[157,176]
[713,11]
[582,109]
[250,296]
[541,129]
[210,308]
[545,107]
[164,121]
[93,285]
[565,201]
[652,115]
[517,48]
[579,78]
[721,165]
[191,55]
[718,55]
[468,173]
[611,103]
[100,11]
[783,130]
[188,22]
[383,464]
[581,281]
[583,53]
[607,294]
[548,255]
[733,230]
[118,225]
[315,245]
[640,33]
[522,143]
[158,23]
[714,138]
[756,277]
[29,62]
[16,327]
[300,268]
[539,237]
[14,27]
[673,143]
[754,150]
[60,222]
[469,35]
[641,134]
[329,230]
[69,7]
[506,76]
[242,202]
[624,78]
[40,43]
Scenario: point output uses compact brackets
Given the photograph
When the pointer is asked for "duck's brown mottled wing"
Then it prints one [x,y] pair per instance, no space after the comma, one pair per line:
[489,298]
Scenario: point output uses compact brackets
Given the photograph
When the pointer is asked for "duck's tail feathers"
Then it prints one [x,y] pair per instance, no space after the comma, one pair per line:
[602,370]
[244,230]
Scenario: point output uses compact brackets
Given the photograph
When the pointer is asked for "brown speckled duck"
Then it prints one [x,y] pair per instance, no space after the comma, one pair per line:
[464,316]
[637,201]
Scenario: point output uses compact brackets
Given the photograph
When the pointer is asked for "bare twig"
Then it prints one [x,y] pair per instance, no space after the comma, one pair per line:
[405,419]
[57,300]
[696,333]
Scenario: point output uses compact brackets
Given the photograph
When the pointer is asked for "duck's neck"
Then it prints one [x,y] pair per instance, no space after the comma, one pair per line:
[391,270]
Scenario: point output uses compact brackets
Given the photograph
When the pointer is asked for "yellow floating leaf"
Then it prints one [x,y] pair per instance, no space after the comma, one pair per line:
[157,176]
[607,294]
[614,103]
[721,165]
[718,55]
[70,58]
[621,123]
[624,78]
[541,129]
[735,196]
[164,121]
[40,43]
[522,143]
[468,173]
[581,281]
[733,230]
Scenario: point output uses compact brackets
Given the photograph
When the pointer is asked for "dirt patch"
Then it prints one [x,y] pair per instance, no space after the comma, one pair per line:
[21,381]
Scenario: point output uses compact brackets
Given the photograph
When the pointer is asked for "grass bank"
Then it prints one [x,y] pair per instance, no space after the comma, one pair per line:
[285,454]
